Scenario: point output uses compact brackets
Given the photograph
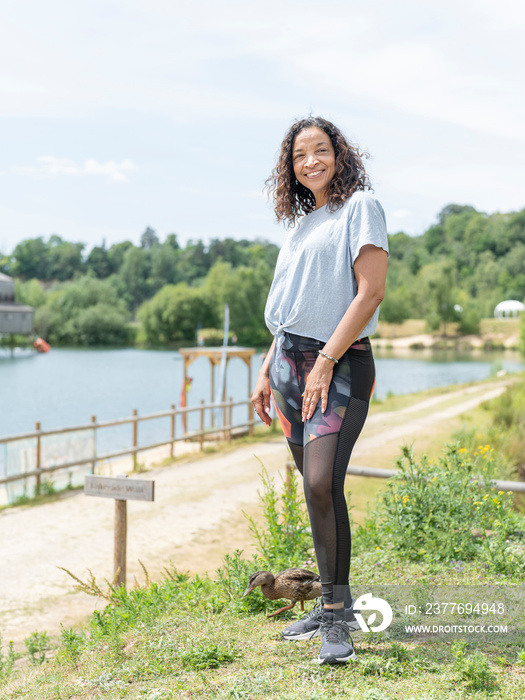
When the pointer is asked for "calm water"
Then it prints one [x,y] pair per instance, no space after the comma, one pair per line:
[67,387]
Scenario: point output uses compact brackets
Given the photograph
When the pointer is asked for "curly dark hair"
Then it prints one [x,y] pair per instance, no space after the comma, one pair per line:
[291,199]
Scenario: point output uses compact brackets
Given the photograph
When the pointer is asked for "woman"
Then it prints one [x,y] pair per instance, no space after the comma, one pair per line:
[328,284]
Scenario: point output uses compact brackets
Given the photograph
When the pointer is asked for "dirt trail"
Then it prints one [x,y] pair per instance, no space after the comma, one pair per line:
[196,518]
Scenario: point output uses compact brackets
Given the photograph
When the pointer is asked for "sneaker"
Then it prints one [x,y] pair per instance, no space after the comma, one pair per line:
[336,647]
[309,625]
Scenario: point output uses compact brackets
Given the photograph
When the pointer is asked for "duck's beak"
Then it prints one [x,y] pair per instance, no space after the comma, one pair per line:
[248,590]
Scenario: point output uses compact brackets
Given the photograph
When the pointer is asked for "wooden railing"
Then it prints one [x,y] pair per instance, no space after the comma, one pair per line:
[499,484]
[224,432]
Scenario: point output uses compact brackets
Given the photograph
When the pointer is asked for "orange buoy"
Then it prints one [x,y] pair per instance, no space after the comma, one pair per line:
[41,345]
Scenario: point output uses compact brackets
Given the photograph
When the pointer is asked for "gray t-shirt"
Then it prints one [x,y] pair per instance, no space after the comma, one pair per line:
[314,281]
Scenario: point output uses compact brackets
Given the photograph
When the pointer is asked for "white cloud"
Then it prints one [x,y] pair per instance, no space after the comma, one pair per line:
[49,166]
[458,63]
[401,213]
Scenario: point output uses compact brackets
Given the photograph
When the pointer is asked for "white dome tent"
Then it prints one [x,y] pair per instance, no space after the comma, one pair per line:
[508,309]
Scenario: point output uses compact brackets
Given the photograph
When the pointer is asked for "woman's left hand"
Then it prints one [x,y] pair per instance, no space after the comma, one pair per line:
[317,386]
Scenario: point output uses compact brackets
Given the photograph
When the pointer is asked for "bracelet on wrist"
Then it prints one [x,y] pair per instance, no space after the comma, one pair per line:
[328,356]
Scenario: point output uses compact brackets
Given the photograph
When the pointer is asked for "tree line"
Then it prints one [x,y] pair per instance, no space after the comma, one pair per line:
[155,293]
[459,269]
[161,293]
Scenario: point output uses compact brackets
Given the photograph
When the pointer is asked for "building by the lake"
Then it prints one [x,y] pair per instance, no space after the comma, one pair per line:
[15,319]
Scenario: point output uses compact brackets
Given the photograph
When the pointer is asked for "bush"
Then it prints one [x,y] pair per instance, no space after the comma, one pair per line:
[214,336]
[102,324]
[7,660]
[447,510]
[469,321]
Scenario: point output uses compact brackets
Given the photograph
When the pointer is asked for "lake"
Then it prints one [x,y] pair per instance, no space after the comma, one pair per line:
[66,387]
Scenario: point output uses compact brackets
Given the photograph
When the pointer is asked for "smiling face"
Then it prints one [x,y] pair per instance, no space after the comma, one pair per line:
[314,162]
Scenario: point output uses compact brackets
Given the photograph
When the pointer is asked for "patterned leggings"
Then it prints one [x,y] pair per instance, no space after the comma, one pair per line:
[321,447]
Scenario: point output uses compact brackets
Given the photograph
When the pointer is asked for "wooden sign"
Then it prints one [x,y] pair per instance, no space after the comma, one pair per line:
[122,490]
[119,488]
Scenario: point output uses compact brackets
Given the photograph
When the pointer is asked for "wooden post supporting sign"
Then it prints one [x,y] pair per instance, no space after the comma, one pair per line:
[122,490]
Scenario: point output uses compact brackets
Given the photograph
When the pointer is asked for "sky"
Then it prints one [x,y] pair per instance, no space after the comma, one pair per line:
[116,115]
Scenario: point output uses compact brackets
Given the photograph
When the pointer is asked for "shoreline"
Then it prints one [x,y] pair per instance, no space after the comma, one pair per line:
[465,343]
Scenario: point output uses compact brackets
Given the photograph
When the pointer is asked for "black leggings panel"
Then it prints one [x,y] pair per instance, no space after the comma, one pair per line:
[321,447]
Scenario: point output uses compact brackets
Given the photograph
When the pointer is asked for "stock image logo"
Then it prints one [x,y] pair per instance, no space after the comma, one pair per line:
[368,602]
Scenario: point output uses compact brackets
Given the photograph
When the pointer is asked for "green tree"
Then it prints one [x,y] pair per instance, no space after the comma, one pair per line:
[453,210]
[163,269]
[245,290]
[193,261]
[31,259]
[435,241]
[175,312]
[263,252]
[5,262]
[171,240]
[134,274]
[98,261]
[65,259]
[469,317]
[149,239]
[522,335]
[116,254]
[439,283]
[395,307]
[31,293]
[65,317]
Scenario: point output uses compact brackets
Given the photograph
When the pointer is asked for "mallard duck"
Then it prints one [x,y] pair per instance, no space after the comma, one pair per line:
[294,584]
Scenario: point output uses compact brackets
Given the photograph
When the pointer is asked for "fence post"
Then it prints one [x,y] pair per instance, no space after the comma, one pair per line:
[94,421]
[135,436]
[119,554]
[201,436]
[230,419]
[38,458]
[172,429]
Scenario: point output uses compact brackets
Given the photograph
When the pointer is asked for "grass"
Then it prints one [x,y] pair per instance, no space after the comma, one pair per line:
[414,326]
[181,649]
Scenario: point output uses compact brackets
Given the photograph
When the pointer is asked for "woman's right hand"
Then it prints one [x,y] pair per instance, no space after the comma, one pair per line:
[261,398]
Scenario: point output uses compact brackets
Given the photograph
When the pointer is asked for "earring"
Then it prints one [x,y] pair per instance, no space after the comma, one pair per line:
[296,181]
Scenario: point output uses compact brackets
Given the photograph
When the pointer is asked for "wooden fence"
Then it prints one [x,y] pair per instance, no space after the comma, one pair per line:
[225,432]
